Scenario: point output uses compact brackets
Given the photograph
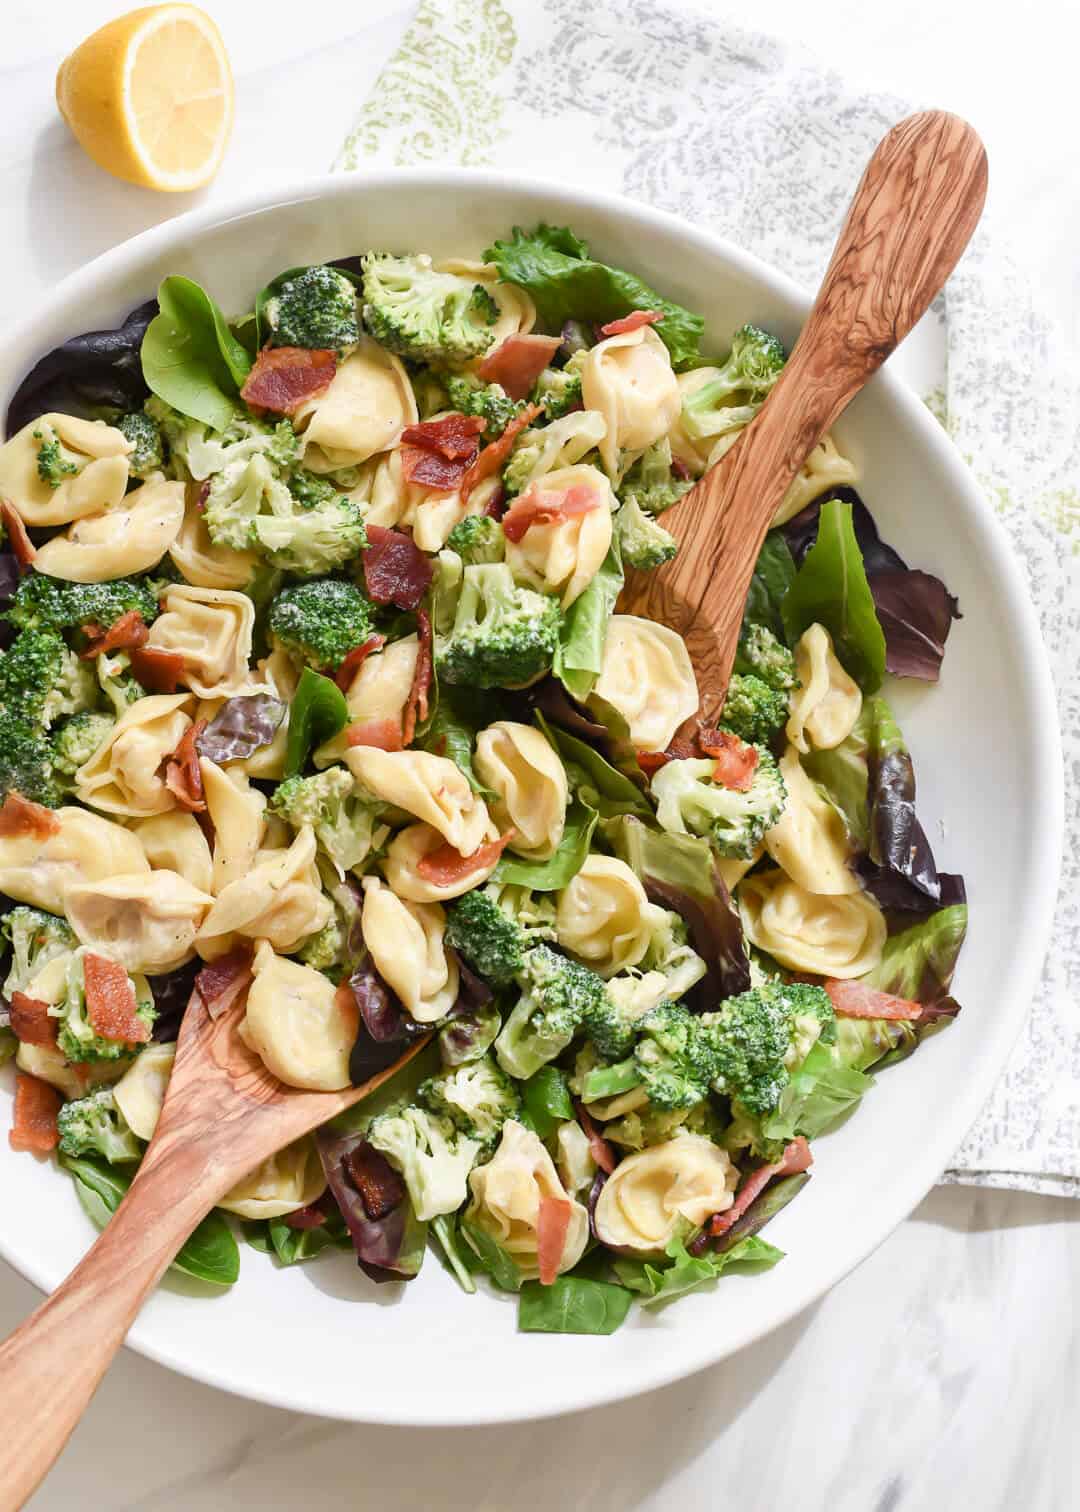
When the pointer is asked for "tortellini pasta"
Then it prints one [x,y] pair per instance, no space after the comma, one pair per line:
[826,467]
[73,1080]
[85,848]
[825,708]
[298,1023]
[810,839]
[561,444]
[236,810]
[279,900]
[564,556]
[291,1179]
[367,406]
[146,921]
[429,787]
[734,868]
[212,629]
[406,943]
[518,764]
[650,1195]
[96,453]
[130,538]
[380,690]
[401,862]
[690,451]
[125,774]
[842,935]
[140,1092]
[506,1195]
[648,678]
[628,379]
[604,918]
[203,563]
[175,842]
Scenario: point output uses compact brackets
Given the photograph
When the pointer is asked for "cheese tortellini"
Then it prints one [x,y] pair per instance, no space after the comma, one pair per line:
[73,1080]
[647,676]
[649,1195]
[297,1022]
[146,921]
[628,379]
[212,629]
[518,764]
[130,538]
[564,556]
[604,918]
[842,935]
[95,453]
[84,848]
[203,563]
[291,1179]
[236,810]
[825,468]
[406,941]
[125,775]
[368,404]
[175,842]
[506,1195]
[402,861]
[380,690]
[429,787]
[562,443]
[140,1092]
[279,899]
[810,839]
[692,452]
[825,708]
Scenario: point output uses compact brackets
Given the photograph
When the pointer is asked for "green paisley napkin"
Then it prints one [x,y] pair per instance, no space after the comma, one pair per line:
[761,142]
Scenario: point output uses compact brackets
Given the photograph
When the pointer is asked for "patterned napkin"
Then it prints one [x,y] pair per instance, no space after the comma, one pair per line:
[762,143]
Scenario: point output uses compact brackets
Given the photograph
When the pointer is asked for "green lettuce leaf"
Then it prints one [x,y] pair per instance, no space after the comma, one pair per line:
[492,1257]
[458,1258]
[579,656]
[573,1304]
[564,865]
[830,589]
[599,784]
[545,1101]
[658,1284]
[189,356]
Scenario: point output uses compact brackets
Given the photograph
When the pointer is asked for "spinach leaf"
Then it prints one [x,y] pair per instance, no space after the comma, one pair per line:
[190,358]
[598,783]
[458,715]
[774,573]
[660,1284]
[565,284]
[292,1246]
[573,1304]
[830,589]
[564,865]
[579,656]
[546,1101]
[458,1258]
[317,712]
[494,1259]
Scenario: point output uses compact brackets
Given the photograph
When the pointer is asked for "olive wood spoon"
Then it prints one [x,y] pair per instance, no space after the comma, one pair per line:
[223,1113]
[912,216]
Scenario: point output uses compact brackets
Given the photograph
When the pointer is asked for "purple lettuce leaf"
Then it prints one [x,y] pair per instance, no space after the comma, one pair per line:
[9,581]
[172,992]
[386,1029]
[388,1238]
[240,727]
[91,375]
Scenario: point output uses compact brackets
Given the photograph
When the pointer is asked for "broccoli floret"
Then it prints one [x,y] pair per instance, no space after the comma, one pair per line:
[197,452]
[477,1098]
[753,710]
[41,680]
[116,681]
[309,489]
[94,1125]
[316,541]
[646,1126]
[503,636]
[760,1035]
[752,368]
[557,997]
[54,464]
[431,317]
[761,654]
[524,457]
[77,739]
[494,927]
[674,1061]
[644,543]
[48,603]
[343,823]
[240,493]
[690,802]
[77,1038]
[36,938]
[433,1156]
[325,951]
[26,763]
[149,454]
[490,401]
[558,390]
[667,971]
[321,621]
[316,309]
[477,540]
[651,481]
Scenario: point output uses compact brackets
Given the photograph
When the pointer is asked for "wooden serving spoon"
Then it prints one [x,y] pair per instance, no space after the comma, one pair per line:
[223,1114]
[912,216]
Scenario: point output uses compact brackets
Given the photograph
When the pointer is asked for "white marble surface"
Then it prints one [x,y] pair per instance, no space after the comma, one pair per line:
[941,1374]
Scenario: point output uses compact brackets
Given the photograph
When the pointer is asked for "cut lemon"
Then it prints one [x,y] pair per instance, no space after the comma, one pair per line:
[150,97]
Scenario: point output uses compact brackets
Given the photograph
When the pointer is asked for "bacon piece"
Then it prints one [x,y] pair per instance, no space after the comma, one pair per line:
[432,469]
[735,761]
[496,504]
[416,706]
[110,1001]
[160,671]
[652,761]
[31,1020]
[380,1186]
[222,982]
[517,362]
[796,1158]
[453,437]
[124,634]
[396,571]
[445,866]
[632,322]
[18,816]
[856,1000]
[183,775]
[309,1217]
[355,659]
[552,1225]
[383,734]
[284,377]
[535,507]
[680,470]
[33,1122]
[493,456]
[22,547]
[602,1151]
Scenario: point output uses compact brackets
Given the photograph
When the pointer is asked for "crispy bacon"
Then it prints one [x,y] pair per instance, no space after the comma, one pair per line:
[445,866]
[220,983]
[496,503]
[21,545]
[416,706]
[396,571]
[18,816]
[31,1021]
[680,470]
[33,1122]
[284,377]
[602,1151]
[380,1186]
[383,734]
[183,776]
[552,1225]
[735,760]
[493,456]
[160,671]
[517,362]
[652,761]
[438,453]
[110,1001]
[309,1217]
[124,634]
[855,1000]
[535,507]
[432,469]
[632,322]
[796,1158]
[355,659]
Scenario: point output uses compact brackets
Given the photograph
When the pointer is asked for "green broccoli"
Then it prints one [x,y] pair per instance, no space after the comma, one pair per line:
[433,1156]
[666,973]
[343,823]
[759,1035]
[690,802]
[94,1125]
[557,997]
[116,681]
[149,453]
[36,938]
[41,680]
[476,1097]
[753,710]
[316,309]
[761,654]
[77,739]
[321,621]
[310,489]
[652,482]
[673,1061]
[503,636]
[48,603]
[644,543]
[752,368]
[558,390]
[477,540]
[469,396]
[326,950]
[314,542]
[239,494]
[494,927]
[77,1038]
[646,1126]
[432,317]
[196,451]
[54,463]
[26,763]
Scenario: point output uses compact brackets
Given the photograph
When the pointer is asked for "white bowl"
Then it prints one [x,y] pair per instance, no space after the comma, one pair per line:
[320,1337]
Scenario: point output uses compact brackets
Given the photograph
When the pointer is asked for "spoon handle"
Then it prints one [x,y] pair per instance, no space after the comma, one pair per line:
[912,216]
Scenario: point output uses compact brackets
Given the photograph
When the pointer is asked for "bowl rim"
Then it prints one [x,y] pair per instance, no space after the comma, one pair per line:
[1048,816]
